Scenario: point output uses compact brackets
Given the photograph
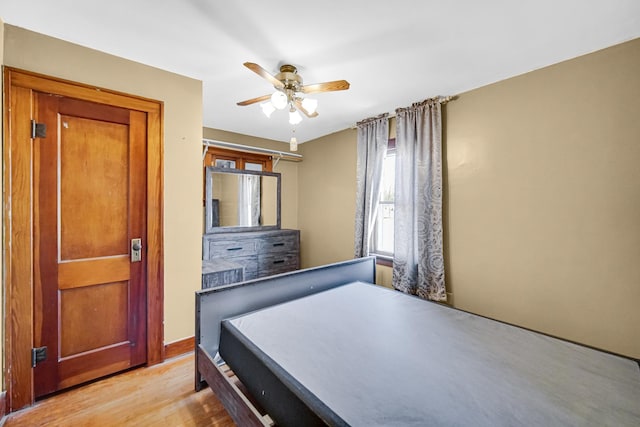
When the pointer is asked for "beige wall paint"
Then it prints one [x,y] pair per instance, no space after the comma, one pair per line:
[287,169]
[182,99]
[542,199]
[384,276]
[327,206]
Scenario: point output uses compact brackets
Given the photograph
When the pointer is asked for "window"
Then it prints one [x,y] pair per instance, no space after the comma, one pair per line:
[221,157]
[383,228]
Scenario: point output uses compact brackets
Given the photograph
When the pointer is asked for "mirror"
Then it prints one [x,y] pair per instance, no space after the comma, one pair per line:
[241,200]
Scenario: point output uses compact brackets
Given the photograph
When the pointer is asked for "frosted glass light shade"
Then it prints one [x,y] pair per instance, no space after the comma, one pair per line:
[267,108]
[279,100]
[310,105]
[294,117]
[293,144]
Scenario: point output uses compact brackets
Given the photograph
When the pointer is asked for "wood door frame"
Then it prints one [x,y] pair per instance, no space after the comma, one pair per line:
[18,223]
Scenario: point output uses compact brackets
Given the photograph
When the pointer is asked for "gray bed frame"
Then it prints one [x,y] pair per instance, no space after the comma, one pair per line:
[216,304]
[596,376]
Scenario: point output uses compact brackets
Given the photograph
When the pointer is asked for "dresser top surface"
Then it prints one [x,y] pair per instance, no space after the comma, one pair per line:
[251,234]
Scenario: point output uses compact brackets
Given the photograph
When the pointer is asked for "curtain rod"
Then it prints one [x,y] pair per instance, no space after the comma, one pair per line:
[281,155]
[441,99]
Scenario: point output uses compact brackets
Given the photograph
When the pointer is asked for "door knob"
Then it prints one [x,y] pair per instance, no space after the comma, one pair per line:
[136,250]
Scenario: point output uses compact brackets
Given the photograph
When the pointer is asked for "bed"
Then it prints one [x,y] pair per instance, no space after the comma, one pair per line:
[353,353]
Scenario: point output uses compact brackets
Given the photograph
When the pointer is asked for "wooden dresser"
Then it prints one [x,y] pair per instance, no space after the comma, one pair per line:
[261,253]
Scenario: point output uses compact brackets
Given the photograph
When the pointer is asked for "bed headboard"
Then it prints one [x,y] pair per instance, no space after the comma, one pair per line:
[216,304]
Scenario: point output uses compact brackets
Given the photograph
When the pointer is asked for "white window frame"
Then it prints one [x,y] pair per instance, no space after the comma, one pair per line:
[381,254]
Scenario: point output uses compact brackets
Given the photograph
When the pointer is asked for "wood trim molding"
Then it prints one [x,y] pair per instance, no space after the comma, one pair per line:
[17,223]
[47,84]
[179,347]
[384,260]
[17,250]
[155,237]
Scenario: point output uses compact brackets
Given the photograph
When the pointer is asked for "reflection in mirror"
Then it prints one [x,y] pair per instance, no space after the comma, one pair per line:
[241,200]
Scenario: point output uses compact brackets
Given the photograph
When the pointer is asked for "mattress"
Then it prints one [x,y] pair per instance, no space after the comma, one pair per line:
[363,355]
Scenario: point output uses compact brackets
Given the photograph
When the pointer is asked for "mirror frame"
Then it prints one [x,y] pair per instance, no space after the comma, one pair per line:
[208,228]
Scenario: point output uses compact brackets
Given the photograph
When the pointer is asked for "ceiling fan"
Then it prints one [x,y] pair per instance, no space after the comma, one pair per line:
[290,91]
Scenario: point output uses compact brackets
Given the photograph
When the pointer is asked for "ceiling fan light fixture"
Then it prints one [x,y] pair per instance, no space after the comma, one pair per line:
[267,108]
[310,105]
[293,144]
[279,100]
[290,92]
[294,117]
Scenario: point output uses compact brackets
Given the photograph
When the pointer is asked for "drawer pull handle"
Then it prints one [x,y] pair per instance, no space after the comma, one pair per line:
[234,249]
[278,244]
[280,261]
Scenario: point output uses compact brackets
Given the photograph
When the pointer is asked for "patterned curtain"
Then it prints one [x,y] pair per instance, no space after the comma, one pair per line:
[418,260]
[373,136]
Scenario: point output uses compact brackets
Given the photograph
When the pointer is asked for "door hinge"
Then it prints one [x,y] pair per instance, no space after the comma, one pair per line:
[38,354]
[38,130]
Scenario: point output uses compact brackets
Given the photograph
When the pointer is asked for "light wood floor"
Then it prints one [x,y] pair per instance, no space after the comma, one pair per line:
[161,395]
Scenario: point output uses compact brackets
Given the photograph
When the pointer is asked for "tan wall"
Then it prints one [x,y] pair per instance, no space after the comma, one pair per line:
[227,187]
[327,205]
[287,169]
[182,99]
[542,199]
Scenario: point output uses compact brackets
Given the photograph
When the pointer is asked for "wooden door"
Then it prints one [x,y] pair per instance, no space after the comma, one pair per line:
[89,203]
[35,223]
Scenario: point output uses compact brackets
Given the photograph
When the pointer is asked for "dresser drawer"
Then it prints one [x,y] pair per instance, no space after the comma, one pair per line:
[250,264]
[281,243]
[260,253]
[220,272]
[230,249]
[277,263]
[211,280]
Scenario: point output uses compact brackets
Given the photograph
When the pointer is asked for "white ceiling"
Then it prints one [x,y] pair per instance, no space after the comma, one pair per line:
[393,53]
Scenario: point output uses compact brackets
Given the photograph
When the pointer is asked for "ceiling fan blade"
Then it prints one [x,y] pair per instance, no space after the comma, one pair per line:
[326,86]
[299,106]
[254,100]
[264,74]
